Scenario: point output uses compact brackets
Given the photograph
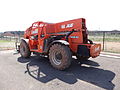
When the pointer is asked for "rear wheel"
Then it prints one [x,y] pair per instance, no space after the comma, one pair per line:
[60,56]
[24,49]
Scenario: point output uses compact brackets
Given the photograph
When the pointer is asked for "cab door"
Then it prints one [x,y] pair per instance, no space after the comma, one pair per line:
[41,39]
[33,40]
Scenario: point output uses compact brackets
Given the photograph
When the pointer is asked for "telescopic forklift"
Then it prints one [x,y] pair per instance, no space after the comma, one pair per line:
[59,41]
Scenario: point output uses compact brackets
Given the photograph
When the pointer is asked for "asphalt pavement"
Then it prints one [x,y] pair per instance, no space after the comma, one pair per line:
[36,73]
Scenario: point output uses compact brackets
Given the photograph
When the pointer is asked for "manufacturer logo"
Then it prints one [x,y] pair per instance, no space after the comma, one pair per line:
[67,26]
[41,25]
[36,25]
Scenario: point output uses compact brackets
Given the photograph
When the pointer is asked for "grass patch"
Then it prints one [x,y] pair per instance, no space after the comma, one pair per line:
[5,41]
[107,38]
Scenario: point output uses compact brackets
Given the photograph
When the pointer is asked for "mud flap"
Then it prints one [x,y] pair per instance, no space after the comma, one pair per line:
[83,51]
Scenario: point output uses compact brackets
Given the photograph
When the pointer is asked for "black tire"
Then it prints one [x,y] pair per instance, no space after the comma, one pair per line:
[60,56]
[82,58]
[24,49]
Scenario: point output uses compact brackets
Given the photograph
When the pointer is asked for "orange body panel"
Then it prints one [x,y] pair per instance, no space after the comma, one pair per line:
[68,25]
[95,50]
[42,31]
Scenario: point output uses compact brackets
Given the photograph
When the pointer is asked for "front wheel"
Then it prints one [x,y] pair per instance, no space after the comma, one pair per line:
[24,49]
[60,56]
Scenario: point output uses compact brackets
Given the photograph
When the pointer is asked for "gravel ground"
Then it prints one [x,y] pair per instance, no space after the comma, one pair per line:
[36,73]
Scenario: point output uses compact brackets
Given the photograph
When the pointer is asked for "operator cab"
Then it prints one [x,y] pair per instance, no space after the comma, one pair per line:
[36,34]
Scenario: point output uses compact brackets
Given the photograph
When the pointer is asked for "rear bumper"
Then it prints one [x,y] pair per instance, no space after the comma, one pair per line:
[95,50]
[83,51]
[89,50]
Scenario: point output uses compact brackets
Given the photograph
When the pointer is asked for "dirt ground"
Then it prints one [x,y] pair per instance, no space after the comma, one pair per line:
[111,46]
[108,46]
[7,45]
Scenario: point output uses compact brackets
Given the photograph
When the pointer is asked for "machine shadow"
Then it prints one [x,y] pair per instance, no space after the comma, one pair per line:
[40,69]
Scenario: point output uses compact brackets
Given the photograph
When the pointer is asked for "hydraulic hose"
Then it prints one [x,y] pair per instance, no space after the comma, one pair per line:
[69,34]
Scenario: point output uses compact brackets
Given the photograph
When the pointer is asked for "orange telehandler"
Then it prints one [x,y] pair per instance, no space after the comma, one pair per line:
[59,41]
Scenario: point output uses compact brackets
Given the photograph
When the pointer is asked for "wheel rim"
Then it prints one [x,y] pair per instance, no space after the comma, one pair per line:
[57,57]
[22,50]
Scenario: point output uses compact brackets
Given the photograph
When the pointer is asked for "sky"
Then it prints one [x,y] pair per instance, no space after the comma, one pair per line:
[18,15]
